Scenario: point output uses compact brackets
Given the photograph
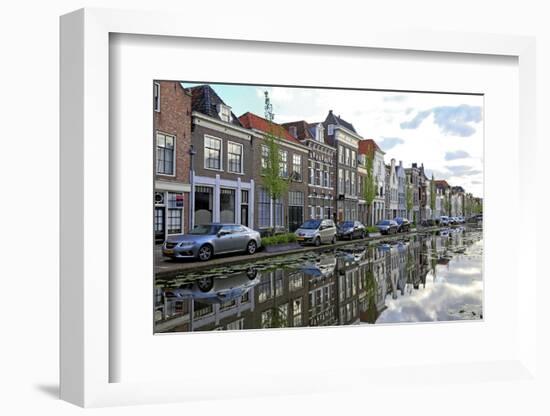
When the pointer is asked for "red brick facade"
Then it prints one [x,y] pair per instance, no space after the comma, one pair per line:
[172,116]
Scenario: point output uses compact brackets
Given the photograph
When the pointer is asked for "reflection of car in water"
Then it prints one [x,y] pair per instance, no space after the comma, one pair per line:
[324,267]
[210,289]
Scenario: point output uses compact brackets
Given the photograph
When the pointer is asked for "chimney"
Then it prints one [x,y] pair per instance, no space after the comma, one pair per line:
[414,165]
[401,164]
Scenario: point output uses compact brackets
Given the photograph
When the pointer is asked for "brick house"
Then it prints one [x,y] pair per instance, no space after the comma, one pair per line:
[288,211]
[172,141]
[223,188]
[321,176]
[344,138]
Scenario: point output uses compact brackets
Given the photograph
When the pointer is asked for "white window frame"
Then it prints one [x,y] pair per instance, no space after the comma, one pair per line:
[156,97]
[296,155]
[285,152]
[204,152]
[174,164]
[221,109]
[241,167]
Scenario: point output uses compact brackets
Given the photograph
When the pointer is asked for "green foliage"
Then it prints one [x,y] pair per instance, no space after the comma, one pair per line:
[274,184]
[432,194]
[279,239]
[372,229]
[409,197]
[370,187]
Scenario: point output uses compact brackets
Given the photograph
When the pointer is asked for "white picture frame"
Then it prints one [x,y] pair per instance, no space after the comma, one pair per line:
[86,291]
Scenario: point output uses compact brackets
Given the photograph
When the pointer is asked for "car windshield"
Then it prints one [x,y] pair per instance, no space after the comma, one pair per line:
[384,222]
[205,229]
[311,224]
[398,220]
[346,224]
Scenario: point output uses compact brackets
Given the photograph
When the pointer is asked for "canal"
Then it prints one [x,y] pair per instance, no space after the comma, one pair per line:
[418,278]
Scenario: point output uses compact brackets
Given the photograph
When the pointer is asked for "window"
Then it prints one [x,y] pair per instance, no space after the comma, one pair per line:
[235,325]
[212,153]
[283,166]
[296,199]
[264,205]
[278,211]
[224,112]
[165,154]
[156,96]
[320,133]
[297,167]
[264,156]
[340,154]
[234,157]
[330,129]
[340,181]
[174,216]
[353,189]
[227,205]
[353,158]
[347,182]
[311,173]
[348,162]
[203,205]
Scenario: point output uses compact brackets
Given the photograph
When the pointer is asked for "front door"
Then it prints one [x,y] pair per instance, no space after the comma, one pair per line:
[159,224]
[244,215]
[295,218]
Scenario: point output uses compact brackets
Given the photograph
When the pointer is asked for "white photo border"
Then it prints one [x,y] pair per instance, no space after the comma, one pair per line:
[86,190]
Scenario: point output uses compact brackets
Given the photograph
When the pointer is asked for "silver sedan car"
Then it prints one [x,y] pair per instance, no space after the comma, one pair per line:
[204,241]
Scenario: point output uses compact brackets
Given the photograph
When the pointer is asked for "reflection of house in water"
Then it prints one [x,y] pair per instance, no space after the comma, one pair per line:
[321,279]
[341,287]
[348,287]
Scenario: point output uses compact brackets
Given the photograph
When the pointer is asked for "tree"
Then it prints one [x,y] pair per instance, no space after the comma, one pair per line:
[272,182]
[370,187]
[448,203]
[432,194]
[409,198]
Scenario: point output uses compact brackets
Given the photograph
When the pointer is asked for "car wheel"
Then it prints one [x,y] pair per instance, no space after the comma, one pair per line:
[333,241]
[251,247]
[251,273]
[317,242]
[205,252]
[363,235]
[205,284]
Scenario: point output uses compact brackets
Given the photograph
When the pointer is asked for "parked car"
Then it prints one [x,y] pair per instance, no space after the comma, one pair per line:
[404,224]
[460,219]
[351,229]
[387,226]
[444,221]
[316,232]
[207,240]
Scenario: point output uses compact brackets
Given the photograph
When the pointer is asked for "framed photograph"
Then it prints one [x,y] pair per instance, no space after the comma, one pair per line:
[260,203]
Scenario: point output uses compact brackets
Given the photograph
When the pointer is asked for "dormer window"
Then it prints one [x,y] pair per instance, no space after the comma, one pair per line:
[293,131]
[224,111]
[330,129]
[320,133]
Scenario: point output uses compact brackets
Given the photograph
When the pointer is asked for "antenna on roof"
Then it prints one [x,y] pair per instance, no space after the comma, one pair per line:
[269,116]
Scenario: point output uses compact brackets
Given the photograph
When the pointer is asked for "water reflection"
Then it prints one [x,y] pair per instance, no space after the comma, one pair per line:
[418,279]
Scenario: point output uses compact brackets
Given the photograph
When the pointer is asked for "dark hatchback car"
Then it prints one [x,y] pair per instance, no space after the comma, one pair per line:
[350,230]
[387,226]
[404,224]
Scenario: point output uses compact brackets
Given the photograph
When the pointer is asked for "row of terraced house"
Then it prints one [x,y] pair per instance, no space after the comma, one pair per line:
[209,169]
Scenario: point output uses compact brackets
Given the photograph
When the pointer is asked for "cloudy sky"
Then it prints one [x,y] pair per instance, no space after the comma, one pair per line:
[443,131]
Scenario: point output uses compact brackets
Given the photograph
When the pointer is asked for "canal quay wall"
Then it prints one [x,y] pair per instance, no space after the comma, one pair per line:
[173,268]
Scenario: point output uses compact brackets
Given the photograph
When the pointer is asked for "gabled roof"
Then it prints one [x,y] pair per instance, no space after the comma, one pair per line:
[205,100]
[441,184]
[303,130]
[457,189]
[368,147]
[252,121]
[332,119]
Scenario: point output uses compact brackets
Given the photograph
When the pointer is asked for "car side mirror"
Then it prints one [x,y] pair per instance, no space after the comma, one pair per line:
[222,233]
